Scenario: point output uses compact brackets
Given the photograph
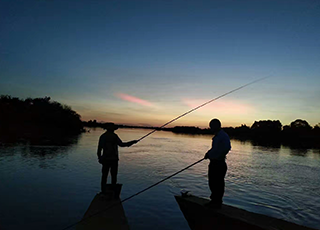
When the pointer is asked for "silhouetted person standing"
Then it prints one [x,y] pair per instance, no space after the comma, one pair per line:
[108,143]
[217,167]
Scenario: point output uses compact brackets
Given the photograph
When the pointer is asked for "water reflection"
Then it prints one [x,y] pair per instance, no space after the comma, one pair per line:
[266,143]
[56,183]
[316,153]
[275,145]
[48,140]
[306,144]
[299,152]
[40,153]
[263,145]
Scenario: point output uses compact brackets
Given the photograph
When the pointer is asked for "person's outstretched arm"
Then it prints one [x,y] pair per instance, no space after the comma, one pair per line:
[126,144]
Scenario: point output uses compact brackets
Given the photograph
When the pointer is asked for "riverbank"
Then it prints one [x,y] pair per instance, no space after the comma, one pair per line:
[37,121]
[265,133]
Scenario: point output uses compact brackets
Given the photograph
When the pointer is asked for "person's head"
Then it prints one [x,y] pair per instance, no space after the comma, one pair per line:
[110,127]
[215,125]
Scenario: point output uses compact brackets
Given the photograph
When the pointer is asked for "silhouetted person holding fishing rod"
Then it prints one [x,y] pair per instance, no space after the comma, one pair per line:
[217,167]
[108,143]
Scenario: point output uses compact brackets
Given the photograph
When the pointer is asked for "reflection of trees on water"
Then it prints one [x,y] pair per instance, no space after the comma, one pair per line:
[316,153]
[266,148]
[63,140]
[299,152]
[295,149]
[45,156]
[47,140]
[265,143]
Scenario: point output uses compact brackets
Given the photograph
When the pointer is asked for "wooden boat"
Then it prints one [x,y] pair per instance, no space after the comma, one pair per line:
[105,212]
[200,217]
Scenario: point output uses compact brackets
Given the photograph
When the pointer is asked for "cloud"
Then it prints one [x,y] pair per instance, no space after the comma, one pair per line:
[134,100]
[224,106]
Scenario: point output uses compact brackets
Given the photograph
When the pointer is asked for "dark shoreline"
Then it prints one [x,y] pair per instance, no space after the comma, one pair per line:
[38,121]
[298,139]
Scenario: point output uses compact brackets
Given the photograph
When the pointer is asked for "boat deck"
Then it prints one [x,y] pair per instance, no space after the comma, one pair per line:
[104,212]
[228,217]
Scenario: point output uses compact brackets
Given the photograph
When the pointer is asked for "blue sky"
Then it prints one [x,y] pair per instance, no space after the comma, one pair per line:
[167,56]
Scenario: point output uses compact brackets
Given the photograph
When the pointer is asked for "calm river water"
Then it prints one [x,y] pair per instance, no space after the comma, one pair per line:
[50,187]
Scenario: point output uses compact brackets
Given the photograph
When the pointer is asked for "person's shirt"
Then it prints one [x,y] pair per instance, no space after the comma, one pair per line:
[220,146]
[108,143]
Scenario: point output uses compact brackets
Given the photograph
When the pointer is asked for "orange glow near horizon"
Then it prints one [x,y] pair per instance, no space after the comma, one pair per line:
[133,99]
[230,112]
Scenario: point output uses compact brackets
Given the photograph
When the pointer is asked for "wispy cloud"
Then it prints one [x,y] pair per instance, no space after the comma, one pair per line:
[133,99]
[225,106]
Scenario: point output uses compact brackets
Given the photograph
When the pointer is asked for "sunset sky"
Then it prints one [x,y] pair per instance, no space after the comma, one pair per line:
[146,62]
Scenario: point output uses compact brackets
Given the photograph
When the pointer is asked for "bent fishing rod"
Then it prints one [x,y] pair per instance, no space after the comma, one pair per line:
[155,184]
[198,107]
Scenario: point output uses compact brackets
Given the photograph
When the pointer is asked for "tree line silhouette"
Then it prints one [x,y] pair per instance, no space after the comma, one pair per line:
[36,119]
[44,119]
[264,132]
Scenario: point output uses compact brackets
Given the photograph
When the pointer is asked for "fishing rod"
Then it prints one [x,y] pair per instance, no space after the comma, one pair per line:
[198,107]
[136,194]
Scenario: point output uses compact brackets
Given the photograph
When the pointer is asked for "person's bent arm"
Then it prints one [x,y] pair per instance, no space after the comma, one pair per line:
[219,150]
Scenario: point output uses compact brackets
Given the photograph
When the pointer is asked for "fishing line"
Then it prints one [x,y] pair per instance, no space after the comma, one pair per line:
[198,107]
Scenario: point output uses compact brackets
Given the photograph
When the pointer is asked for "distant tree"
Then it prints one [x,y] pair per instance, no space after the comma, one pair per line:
[286,127]
[266,128]
[39,114]
[93,123]
[316,129]
[300,124]
[242,130]
[317,126]
[243,127]
[300,134]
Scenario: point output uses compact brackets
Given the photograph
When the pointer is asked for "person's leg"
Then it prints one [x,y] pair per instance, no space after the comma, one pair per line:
[114,172]
[105,170]
[221,173]
[217,172]
[212,176]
